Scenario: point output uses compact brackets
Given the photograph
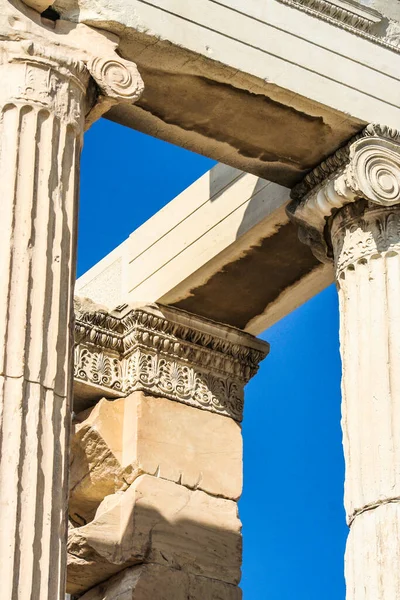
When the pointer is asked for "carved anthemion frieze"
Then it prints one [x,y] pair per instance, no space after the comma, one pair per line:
[358,237]
[165,352]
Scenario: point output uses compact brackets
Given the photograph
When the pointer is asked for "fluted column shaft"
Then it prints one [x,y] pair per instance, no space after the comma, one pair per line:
[42,111]
[366,244]
[348,209]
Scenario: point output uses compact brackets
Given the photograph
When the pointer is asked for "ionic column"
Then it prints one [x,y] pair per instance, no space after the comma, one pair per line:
[42,119]
[46,94]
[349,209]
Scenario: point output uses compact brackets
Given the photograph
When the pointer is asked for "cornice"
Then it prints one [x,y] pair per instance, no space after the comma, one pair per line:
[350,16]
[166,352]
[366,168]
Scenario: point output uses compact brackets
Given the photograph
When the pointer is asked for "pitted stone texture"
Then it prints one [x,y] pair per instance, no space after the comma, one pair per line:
[119,440]
[155,582]
[39,5]
[97,468]
[42,109]
[156,520]
[360,187]
[373,554]
[367,246]
[199,449]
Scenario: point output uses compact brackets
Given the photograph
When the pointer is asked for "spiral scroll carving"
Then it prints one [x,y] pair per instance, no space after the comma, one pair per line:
[367,170]
[374,173]
[117,79]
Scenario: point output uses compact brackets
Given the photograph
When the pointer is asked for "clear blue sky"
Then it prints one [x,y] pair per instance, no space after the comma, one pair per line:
[293,520]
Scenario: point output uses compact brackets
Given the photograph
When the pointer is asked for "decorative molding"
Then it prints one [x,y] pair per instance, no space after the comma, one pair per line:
[340,158]
[360,233]
[28,50]
[339,12]
[350,16]
[165,352]
[367,168]
[117,79]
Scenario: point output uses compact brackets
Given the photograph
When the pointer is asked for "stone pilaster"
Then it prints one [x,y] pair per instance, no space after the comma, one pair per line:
[47,93]
[349,209]
[156,472]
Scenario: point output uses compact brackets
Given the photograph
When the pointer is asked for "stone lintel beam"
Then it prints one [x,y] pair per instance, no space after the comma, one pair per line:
[200,60]
[349,211]
[165,352]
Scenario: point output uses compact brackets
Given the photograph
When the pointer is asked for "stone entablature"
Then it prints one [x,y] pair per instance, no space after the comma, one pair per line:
[165,352]
[354,17]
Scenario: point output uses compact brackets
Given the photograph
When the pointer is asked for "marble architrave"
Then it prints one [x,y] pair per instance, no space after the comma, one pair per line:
[348,210]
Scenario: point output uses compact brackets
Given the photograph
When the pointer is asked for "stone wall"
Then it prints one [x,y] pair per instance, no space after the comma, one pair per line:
[155,475]
[154,483]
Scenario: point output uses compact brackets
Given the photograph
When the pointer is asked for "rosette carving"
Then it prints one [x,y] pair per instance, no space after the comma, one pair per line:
[117,79]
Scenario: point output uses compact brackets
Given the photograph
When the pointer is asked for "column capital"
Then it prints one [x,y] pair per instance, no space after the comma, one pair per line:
[77,50]
[166,352]
[367,168]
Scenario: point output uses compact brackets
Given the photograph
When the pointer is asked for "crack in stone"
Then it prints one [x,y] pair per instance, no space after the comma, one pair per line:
[372,506]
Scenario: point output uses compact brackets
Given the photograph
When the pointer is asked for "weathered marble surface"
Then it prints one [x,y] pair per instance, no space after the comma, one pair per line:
[349,209]
[56,79]
[157,582]
[156,521]
[162,351]
[118,440]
